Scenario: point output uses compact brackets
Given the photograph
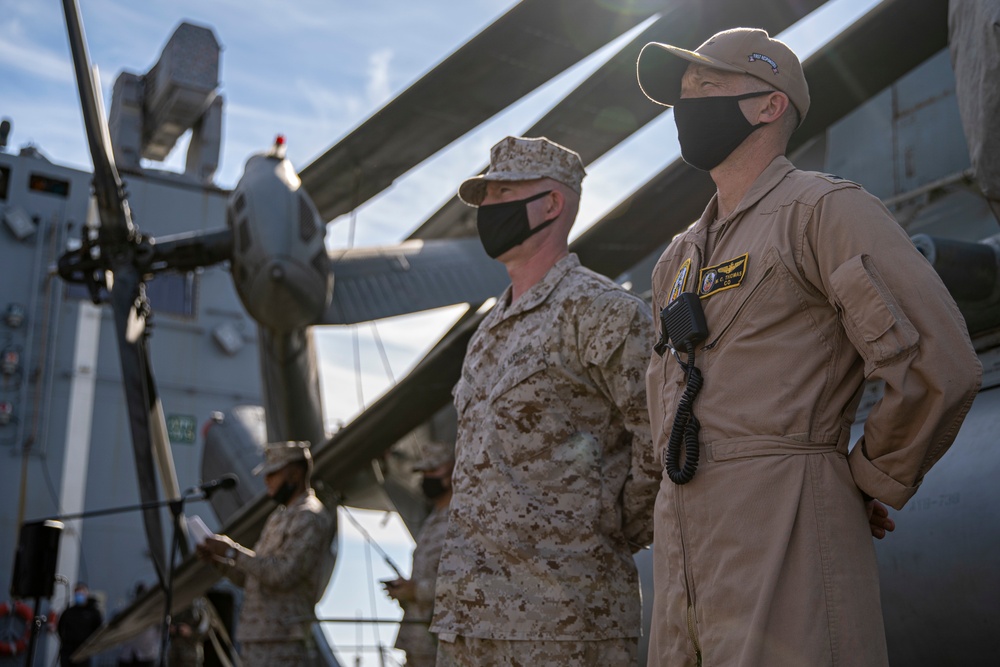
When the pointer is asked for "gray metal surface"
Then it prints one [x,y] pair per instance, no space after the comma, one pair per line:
[290,375]
[372,283]
[195,375]
[940,603]
[234,443]
[975,56]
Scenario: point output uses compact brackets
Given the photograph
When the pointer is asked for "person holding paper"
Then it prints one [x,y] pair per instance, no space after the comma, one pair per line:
[286,572]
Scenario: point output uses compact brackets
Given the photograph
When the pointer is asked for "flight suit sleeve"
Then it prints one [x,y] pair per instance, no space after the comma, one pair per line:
[910,334]
[300,553]
[617,350]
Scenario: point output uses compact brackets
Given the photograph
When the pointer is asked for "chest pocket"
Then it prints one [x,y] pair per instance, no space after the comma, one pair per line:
[738,304]
[517,375]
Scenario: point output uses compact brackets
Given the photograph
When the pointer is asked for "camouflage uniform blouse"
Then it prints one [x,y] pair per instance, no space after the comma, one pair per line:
[414,638]
[554,479]
[286,573]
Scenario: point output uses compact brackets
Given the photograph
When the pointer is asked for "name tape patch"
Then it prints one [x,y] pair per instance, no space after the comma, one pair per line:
[727,275]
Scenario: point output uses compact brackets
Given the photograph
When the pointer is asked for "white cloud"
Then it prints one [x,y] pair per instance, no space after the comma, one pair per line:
[378,88]
[21,55]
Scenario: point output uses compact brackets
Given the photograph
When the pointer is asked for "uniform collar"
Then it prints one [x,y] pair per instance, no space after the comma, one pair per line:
[538,292]
[301,499]
[773,174]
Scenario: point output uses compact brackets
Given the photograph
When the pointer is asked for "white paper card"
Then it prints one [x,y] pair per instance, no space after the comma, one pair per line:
[199,531]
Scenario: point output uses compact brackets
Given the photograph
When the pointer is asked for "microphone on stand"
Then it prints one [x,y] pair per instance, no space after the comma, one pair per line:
[227,481]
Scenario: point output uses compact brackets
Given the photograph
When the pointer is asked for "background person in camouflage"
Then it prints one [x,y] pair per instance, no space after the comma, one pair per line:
[188,631]
[288,569]
[416,594]
[554,476]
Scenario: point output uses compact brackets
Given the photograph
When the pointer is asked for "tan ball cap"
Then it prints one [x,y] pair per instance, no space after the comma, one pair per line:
[433,455]
[279,454]
[747,50]
[525,159]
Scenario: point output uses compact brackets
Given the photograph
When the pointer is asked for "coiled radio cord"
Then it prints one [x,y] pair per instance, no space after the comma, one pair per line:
[686,426]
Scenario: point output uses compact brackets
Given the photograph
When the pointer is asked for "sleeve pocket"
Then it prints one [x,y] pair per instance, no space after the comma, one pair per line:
[875,323]
[463,394]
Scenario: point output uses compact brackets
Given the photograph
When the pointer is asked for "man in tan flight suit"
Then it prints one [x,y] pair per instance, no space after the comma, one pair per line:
[416,594]
[554,476]
[809,288]
[285,574]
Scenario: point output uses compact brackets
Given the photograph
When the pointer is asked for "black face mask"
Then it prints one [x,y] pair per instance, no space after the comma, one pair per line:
[433,487]
[505,225]
[711,128]
[284,493]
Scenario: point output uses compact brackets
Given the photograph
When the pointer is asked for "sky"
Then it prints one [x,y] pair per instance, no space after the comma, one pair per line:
[313,70]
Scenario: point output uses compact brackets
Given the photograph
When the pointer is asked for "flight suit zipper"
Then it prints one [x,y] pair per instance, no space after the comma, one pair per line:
[688,583]
[693,632]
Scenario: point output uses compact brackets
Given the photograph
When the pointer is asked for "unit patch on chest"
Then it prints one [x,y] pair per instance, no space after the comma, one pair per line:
[722,276]
[680,282]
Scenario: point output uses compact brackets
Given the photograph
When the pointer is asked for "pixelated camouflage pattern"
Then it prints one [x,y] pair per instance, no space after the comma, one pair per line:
[286,573]
[433,455]
[300,653]
[415,638]
[475,652]
[187,649]
[525,159]
[555,478]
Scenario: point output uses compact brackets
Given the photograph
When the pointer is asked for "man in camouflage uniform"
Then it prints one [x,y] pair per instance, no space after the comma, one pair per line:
[554,476]
[188,631]
[288,569]
[416,594]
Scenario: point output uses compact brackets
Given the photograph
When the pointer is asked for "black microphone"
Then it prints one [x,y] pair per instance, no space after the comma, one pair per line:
[227,481]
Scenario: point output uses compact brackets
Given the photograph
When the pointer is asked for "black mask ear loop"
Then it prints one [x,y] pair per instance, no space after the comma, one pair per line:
[756,93]
[505,225]
[534,230]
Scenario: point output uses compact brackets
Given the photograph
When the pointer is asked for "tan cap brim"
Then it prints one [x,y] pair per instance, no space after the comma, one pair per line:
[472,191]
[268,468]
[661,67]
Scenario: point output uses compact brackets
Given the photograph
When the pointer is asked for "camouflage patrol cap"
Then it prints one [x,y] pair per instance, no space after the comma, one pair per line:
[525,159]
[433,455]
[279,454]
[745,50]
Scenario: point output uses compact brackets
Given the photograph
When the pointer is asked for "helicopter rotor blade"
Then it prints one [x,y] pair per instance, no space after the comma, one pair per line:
[121,252]
[531,43]
[116,220]
[608,107]
[131,322]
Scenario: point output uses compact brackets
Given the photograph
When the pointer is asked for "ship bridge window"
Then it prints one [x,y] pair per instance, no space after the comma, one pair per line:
[52,186]
[173,293]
